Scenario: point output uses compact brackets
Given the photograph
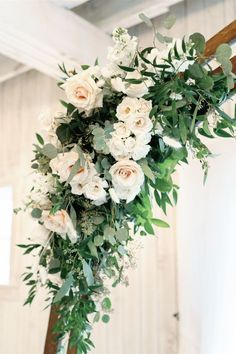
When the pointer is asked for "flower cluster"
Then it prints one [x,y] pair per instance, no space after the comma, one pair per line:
[126,127]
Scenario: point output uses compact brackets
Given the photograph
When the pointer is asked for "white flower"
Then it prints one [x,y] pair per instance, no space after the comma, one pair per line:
[176,96]
[94,190]
[136,90]
[121,130]
[83,92]
[190,82]
[118,84]
[39,234]
[124,49]
[127,108]
[139,124]
[63,163]
[127,179]
[49,124]
[83,176]
[113,195]
[144,106]
[117,148]
[60,223]
[171,142]
[130,143]
[43,185]
[141,148]
[212,118]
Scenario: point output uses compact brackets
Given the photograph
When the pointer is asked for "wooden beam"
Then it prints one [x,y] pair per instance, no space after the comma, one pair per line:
[41,34]
[69,4]
[51,343]
[226,35]
[107,15]
[10,68]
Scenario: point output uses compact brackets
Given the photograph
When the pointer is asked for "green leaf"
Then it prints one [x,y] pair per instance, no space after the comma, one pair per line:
[223,52]
[40,139]
[73,216]
[199,42]
[105,318]
[146,169]
[159,223]
[96,317]
[74,171]
[93,249]
[109,231]
[122,234]
[148,227]
[98,241]
[160,37]
[49,150]
[183,130]
[36,213]
[230,82]
[169,21]
[196,71]
[64,288]
[88,273]
[163,185]
[121,250]
[106,303]
[145,19]
[126,68]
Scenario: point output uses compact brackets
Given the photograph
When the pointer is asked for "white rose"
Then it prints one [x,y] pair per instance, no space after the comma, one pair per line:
[130,143]
[83,92]
[85,174]
[39,234]
[136,90]
[121,130]
[63,163]
[113,195]
[141,148]
[127,179]
[60,223]
[49,124]
[118,84]
[94,190]
[117,148]
[127,108]
[144,106]
[139,124]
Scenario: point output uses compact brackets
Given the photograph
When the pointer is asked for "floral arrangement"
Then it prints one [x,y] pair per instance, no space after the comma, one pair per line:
[101,165]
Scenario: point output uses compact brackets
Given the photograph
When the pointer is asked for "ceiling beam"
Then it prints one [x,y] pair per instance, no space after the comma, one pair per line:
[69,4]
[10,68]
[41,34]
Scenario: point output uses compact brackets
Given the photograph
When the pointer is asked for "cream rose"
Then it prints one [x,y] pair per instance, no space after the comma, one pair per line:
[83,176]
[63,163]
[121,130]
[140,124]
[117,148]
[127,108]
[94,190]
[127,179]
[60,223]
[83,92]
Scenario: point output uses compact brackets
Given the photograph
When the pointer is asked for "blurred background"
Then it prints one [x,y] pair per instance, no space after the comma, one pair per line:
[181,297]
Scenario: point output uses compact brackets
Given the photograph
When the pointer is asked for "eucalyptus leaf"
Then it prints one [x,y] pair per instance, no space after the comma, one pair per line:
[169,21]
[50,151]
[88,273]
[64,288]
[145,19]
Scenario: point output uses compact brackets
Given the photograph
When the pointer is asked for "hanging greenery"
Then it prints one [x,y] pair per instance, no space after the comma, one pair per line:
[101,164]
